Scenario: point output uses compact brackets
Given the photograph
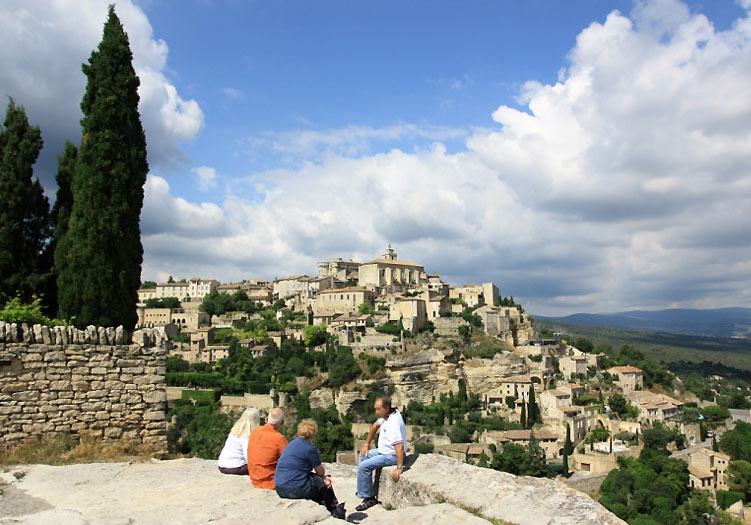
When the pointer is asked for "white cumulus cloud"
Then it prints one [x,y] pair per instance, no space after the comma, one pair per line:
[44,45]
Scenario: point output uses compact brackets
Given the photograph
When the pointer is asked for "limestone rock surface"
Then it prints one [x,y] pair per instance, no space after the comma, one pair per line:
[435,489]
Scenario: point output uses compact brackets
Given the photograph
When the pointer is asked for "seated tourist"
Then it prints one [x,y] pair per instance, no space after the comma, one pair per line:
[234,456]
[300,475]
[392,445]
[265,445]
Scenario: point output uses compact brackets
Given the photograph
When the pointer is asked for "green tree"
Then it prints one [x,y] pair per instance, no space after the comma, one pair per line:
[533,411]
[511,402]
[583,344]
[25,227]
[715,415]
[365,308]
[737,442]
[344,368]
[100,271]
[739,477]
[314,335]
[618,404]
[60,215]
[523,418]
[568,448]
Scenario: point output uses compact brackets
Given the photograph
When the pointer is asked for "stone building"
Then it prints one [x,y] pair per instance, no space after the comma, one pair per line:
[629,377]
[706,470]
[474,295]
[654,407]
[411,311]
[342,300]
[548,440]
[390,274]
[195,287]
[161,317]
[495,320]
[571,365]
[286,287]
[342,269]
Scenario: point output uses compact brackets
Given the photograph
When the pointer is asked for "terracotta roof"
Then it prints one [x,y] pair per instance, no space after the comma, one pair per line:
[699,473]
[518,435]
[291,278]
[517,379]
[627,369]
[394,262]
[346,290]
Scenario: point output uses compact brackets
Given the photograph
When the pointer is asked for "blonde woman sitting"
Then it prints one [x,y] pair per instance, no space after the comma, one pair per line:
[300,475]
[234,456]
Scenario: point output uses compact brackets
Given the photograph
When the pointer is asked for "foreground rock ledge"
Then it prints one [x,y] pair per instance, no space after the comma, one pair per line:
[491,494]
[435,489]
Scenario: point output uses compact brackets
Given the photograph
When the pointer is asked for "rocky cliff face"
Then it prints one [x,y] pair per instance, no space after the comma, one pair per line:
[435,489]
[423,377]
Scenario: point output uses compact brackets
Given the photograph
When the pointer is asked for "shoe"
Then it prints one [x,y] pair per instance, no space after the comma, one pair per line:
[339,512]
[367,503]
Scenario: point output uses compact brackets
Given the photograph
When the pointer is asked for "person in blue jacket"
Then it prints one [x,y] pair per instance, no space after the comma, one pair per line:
[300,475]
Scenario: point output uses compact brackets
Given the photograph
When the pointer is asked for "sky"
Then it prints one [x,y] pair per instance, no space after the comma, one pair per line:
[587,155]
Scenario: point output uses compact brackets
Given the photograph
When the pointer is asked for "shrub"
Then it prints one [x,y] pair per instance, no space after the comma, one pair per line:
[725,498]
[365,308]
[16,311]
[424,447]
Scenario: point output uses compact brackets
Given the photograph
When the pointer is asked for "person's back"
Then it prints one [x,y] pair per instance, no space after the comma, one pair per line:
[295,465]
[265,445]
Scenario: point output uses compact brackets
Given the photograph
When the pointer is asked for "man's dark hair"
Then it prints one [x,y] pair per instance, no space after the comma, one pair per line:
[386,403]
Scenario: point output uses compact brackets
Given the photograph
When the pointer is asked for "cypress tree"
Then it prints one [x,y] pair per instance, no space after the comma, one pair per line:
[567,449]
[523,417]
[100,267]
[66,165]
[532,414]
[24,210]
[714,444]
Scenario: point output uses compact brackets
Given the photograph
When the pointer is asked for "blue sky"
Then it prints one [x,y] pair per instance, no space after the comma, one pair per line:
[583,155]
[259,67]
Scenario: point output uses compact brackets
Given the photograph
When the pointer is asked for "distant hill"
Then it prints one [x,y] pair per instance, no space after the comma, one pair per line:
[720,322]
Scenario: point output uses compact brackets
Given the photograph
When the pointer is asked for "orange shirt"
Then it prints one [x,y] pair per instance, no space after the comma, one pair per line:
[265,445]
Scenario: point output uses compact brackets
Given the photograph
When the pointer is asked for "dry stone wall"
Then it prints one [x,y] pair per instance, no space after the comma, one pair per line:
[61,380]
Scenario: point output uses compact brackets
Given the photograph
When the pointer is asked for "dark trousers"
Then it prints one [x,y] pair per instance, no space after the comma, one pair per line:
[314,489]
[241,471]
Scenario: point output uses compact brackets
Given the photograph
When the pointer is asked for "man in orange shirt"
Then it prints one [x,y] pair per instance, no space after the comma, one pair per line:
[265,445]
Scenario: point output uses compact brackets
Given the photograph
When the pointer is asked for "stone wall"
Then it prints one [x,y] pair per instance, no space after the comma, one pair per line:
[66,381]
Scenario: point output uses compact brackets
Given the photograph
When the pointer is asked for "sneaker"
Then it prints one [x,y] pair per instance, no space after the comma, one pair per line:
[339,512]
[367,503]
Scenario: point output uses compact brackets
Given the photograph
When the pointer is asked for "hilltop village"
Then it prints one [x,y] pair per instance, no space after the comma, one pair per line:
[466,366]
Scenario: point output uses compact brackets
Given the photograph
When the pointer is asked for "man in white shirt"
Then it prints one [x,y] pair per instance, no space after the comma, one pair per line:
[392,446]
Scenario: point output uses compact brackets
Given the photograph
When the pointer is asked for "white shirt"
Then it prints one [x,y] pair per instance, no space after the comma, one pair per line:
[393,431]
[235,452]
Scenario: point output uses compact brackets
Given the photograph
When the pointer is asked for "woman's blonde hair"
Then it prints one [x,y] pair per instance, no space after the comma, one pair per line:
[307,429]
[250,419]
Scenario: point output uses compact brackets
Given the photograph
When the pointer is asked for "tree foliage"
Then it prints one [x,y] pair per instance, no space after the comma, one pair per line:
[520,460]
[99,269]
[739,477]
[25,226]
[737,442]
[344,368]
